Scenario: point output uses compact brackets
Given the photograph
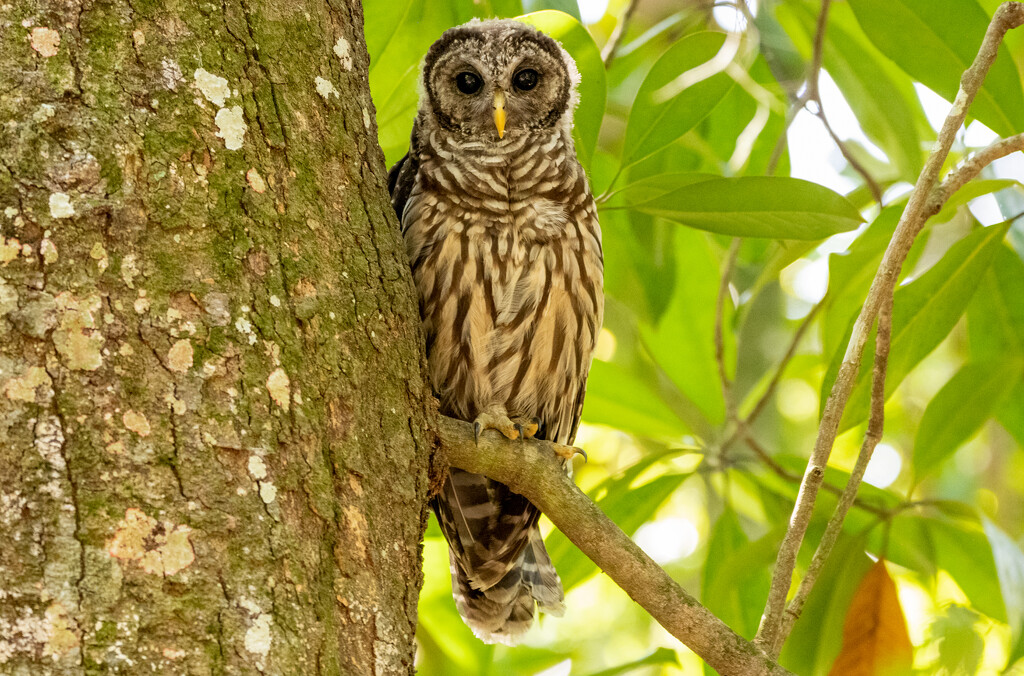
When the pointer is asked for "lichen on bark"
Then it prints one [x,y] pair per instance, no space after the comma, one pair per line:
[213,445]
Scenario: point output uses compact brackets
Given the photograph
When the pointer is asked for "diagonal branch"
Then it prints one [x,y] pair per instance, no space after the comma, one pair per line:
[810,92]
[615,39]
[531,468]
[1009,15]
[876,424]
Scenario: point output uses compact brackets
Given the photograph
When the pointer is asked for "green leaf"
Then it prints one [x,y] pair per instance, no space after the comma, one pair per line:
[963,550]
[995,317]
[627,505]
[682,343]
[737,574]
[383,19]
[654,186]
[757,206]
[957,640]
[924,312]
[1009,561]
[935,41]
[592,89]
[970,191]
[660,656]
[1011,414]
[654,124]
[617,398]
[958,410]
[570,7]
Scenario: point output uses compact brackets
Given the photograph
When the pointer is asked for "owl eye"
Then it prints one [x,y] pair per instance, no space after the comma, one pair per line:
[468,83]
[526,79]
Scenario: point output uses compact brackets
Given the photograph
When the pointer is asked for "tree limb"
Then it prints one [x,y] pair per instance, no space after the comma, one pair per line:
[1009,15]
[810,87]
[531,469]
[876,425]
[612,46]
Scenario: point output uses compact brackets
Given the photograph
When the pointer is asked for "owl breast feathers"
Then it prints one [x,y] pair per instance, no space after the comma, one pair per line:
[502,234]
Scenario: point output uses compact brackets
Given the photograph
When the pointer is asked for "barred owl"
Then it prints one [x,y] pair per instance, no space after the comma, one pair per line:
[502,234]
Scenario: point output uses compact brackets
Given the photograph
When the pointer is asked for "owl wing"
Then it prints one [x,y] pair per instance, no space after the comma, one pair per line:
[402,178]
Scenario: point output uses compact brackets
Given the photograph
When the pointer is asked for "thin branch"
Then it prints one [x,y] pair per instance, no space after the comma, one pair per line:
[742,429]
[971,167]
[770,462]
[786,358]
[876,424]
[810,87]
[872,184]
[612,46]
[1009,15]
[723,290]
[531,469]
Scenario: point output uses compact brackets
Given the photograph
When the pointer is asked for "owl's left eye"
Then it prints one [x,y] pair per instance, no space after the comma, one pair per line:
[526,79]
[468,83]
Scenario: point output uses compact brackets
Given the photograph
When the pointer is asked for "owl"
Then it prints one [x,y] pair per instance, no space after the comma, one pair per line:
[502,235]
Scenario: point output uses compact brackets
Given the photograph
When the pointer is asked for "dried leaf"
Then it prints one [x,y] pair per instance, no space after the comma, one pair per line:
[875,639]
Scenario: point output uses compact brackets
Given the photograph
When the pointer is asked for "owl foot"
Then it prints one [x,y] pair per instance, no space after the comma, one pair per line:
[569,452]
[495,420]
[527,427]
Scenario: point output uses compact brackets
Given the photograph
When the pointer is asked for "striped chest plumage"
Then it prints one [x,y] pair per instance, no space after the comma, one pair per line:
[506,256]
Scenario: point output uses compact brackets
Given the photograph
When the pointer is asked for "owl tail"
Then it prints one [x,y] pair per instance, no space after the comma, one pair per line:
[504,612]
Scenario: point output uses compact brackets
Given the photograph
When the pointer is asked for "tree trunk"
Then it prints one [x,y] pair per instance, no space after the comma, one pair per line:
[214,455]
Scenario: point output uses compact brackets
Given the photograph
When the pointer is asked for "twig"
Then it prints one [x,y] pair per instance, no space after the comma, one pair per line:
[1008,15]
[723,289]
[612,46]
[876,424]
[786,358]
[810,88]
[770,462]
[872,184]
[971,167]
[742,429]
[532,469]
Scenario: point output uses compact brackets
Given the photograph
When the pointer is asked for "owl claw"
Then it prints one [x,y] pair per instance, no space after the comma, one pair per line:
[527,427]
[569,452]
[495,421]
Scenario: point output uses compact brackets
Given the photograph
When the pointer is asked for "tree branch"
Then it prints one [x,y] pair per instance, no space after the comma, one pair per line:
[876,425]
[1009,15]
[810,86]
[971,167]
[872,184]
[612,46]
[530,468]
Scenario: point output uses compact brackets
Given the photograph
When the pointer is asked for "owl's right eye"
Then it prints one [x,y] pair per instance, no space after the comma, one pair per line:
[468,83]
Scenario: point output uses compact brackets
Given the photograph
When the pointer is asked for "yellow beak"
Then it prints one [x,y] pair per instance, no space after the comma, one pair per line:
[499,112]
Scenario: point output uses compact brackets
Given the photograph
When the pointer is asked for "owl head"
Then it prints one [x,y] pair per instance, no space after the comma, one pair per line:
[497,79]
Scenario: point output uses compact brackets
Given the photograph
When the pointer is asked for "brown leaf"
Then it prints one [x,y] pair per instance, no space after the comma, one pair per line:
[875,639]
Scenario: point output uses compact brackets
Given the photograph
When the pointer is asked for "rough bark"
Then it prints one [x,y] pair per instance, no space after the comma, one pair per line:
[213,456]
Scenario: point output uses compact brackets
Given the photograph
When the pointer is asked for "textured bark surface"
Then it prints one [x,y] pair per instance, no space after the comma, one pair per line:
[212,447]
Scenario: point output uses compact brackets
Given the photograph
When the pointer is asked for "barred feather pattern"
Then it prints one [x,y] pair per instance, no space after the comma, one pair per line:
[505,249]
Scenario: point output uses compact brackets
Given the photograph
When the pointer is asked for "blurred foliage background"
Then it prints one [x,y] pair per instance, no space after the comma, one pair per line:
[683,130]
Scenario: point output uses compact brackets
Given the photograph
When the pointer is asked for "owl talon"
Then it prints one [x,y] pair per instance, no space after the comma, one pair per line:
[495,421]
[569,452]
[527,427]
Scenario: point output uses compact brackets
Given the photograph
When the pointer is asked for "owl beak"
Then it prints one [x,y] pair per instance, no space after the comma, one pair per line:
[499,112]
